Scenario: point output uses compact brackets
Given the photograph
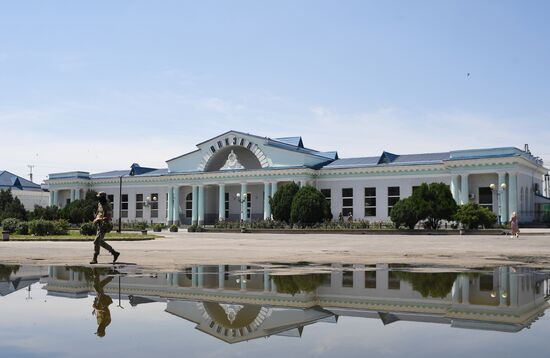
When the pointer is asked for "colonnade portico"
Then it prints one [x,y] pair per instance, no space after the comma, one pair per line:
[176,205]
[505,191]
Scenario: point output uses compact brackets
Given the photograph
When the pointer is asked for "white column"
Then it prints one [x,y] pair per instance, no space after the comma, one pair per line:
[77,194]
[176,206]
[221,203]
[244,189]
[52,200]
[273,188]
[194,208]
[503,287]
[72,195]
[465,285]
[200,213]
[455,188]
[267,281]
[55,197]
[170,203]
[512,194]
[221,276]
[303,182]
[200,272]
[464,190]
[267,207]
[243,278]
[503,195]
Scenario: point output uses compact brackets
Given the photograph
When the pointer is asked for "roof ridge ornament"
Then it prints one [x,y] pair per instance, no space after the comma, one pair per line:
[232,162]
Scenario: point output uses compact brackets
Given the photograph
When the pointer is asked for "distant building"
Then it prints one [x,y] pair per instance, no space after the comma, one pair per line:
[29,193]
[202,186]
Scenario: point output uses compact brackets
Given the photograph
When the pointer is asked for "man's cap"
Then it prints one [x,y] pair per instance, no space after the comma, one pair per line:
[101,194]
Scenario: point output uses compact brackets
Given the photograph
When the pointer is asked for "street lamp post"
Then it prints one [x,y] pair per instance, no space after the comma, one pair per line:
[241,201]
[500,190]
[148,204]
[120,204]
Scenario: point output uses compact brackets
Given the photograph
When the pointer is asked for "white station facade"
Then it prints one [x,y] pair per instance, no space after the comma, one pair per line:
[232,176]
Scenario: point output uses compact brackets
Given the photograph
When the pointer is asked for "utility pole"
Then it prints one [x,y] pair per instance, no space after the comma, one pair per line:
[30,171]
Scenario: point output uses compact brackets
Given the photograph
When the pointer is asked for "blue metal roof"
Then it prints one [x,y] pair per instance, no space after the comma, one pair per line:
[389,159]
[295,141]
[11,181]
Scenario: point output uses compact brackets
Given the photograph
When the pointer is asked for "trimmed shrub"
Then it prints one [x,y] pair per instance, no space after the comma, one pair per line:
[195,228]
[88,229]
[41,227]
[60,227]
[157,227]
[22,228]
[309,207]
[471,216]
[281,202]
[173,228]
[10,224]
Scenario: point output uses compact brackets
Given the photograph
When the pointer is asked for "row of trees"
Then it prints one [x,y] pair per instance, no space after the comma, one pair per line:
[429,204]
[76,212]
[433,203]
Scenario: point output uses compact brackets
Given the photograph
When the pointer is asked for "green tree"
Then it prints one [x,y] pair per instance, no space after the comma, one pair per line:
[406,212]
[434,202]
[281,202]
[472,215]
[45,213]
[428,284]
[309,206]
[11,207]
[80,211]
[293,284]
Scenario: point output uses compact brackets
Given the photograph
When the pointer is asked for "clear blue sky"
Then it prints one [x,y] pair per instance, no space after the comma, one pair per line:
[98,85]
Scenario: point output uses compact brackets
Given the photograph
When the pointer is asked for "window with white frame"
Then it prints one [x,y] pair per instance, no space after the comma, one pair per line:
[124,206]
[370,201]
[347,201]
[139,205]
[189,205]
[155,205]
[393,197]
[226,206]
[327,194]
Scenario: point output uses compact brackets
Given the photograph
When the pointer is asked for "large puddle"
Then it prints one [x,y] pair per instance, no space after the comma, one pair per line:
[226,310]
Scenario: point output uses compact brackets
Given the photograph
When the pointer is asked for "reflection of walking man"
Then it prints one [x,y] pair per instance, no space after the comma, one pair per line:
[102,220]
[101,304]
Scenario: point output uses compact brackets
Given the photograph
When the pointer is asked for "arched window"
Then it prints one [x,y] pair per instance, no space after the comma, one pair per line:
[189,205]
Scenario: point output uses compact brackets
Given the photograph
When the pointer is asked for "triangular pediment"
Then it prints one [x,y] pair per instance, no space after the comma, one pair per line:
[252,151]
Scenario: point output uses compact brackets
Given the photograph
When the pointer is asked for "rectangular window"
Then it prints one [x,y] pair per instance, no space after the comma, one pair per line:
[124,206]
[347,276]
[370,279]
[370,201]
[189,205]
[393,197]
[486,198]
[248,205]
[154,205]
[111,199]
[394,282]
[347,201]
[226,207]
[139,205]
[326,193]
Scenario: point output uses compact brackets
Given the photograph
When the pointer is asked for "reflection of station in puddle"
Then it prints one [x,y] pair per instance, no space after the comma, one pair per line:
[236,303]
[14,277]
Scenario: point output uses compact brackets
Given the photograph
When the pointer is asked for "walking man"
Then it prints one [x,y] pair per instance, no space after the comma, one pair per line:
[102,220]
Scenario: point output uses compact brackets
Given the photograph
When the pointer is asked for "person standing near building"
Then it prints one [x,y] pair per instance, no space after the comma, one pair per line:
[514,225]
[102,220]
